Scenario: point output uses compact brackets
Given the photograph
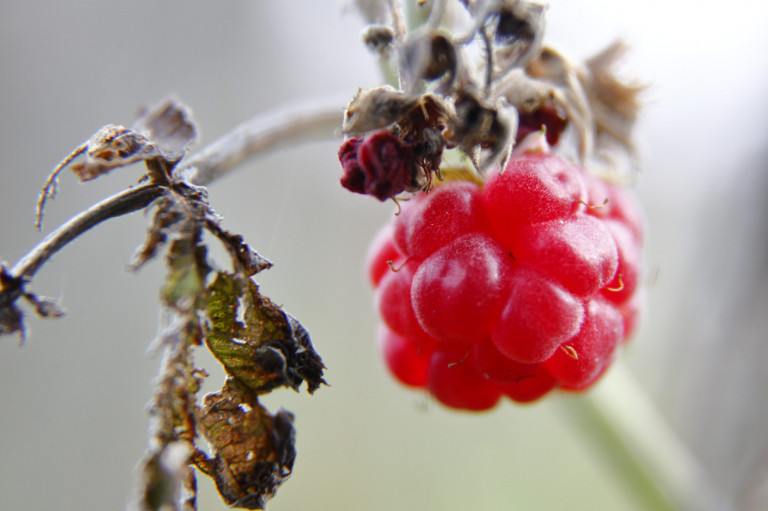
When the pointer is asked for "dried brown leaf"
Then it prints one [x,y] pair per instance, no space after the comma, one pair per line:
[252,451]
[169,126]
[242,254]
[112,147]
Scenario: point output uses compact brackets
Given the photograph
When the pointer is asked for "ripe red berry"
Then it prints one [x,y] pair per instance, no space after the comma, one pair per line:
[454,382]
[519,381]
[524,285]
[534,188]
[538,316]
[381,252]
[408,361]
[584,357]
[457,291]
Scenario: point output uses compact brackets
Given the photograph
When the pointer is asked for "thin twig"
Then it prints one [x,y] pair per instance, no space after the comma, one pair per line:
[285,126]
[119,204]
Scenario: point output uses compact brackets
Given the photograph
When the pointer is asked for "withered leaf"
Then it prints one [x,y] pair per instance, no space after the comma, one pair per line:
[169,126]
[252,451]
[167,214]
[241,253]
[111,147]
[269,348]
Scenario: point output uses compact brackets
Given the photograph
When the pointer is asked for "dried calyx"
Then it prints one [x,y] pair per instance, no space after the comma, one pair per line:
[482,90]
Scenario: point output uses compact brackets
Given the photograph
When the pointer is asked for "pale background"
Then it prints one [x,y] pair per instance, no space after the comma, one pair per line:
[72,400]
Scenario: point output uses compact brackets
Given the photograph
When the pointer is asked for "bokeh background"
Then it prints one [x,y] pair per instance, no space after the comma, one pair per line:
[73,399]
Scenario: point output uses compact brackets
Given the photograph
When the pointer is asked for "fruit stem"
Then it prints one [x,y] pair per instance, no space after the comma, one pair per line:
[639,445]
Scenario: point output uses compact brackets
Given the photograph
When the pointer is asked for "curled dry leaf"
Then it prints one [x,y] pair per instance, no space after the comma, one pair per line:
[162,132]
[169,126]
[241,253]
[269,349]
[111,147]
[252,451]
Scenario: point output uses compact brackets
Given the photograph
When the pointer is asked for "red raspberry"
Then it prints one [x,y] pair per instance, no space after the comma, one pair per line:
[456,383]
[457,291]
[514,289]
[407,360]
[379,165]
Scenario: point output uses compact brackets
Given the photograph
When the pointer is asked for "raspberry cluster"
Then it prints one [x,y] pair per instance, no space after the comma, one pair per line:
[514,289]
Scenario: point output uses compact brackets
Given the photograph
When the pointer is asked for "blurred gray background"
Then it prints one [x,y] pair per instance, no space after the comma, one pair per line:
[73,398]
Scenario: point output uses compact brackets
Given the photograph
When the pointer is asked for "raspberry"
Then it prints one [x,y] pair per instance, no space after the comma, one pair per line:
[382,250]
[538,316]
[527,284]
[377,165]
[457,291]
[534,188]
[450,212]
[406,360]
[454,382]
[518,381]
[588,353]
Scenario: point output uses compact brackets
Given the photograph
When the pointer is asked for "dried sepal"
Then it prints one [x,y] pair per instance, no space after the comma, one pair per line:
[268,349]
[567,80]
[479,124]
[519,31]
[379,39]
[431,56]
[252,451]
[615,102]
[377,108]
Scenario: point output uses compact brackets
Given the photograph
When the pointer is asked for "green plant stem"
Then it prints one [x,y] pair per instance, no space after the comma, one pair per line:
[631,436]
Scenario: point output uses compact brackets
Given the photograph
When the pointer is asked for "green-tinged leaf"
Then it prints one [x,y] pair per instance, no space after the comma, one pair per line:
[269,348]
[252,451]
